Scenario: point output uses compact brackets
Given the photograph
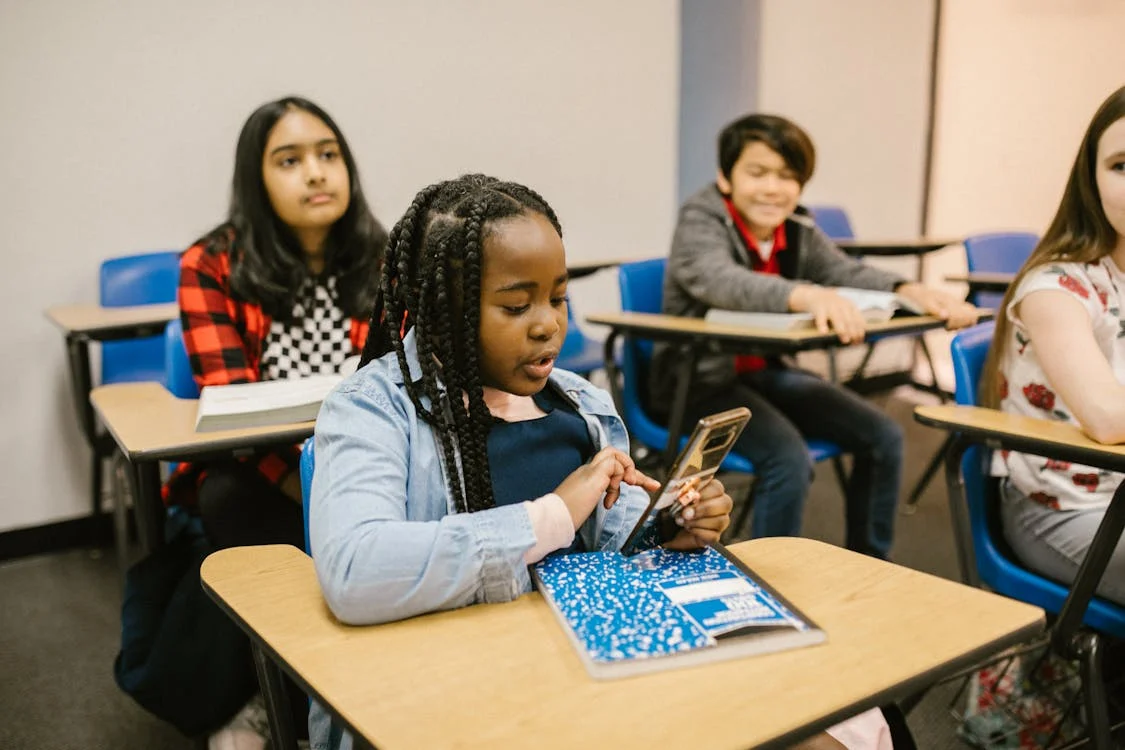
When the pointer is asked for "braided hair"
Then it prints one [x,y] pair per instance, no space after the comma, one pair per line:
[431,282]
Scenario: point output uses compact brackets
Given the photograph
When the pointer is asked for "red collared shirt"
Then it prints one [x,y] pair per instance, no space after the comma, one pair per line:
[749,362]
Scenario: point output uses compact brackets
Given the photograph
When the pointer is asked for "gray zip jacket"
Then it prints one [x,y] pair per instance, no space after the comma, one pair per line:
[709,267]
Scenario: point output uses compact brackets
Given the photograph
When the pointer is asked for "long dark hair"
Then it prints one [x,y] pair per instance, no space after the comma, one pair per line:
[431,283]
[267,263]
[1079,233]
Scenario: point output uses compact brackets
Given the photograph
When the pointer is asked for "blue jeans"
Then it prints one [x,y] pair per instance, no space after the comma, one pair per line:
[788,406]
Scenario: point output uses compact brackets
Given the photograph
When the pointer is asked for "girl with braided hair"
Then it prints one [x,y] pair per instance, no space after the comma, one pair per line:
[458,454]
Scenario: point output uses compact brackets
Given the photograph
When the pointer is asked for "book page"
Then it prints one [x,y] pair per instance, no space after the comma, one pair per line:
[772,321]
[270,395]
[869,299]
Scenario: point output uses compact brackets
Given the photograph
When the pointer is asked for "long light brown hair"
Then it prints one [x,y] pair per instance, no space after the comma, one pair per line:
[1079,233]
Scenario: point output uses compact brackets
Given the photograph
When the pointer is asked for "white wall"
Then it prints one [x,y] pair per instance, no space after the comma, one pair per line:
[1019,81]
[855,75]
[120,121]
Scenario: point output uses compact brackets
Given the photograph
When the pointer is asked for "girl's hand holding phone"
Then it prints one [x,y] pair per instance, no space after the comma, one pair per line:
[600,477]
[704,518]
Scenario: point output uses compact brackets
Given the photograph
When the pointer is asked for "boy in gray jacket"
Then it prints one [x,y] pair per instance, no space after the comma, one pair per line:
[740,244]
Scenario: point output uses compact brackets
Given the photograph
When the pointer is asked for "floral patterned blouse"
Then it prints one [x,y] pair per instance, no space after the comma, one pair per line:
[1024,389]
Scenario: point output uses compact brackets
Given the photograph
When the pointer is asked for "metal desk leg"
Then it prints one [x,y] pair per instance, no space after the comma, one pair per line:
[959,510]
[78,359]
[78,362]
[148,508]
[679,405]
[1093,567]
[609,353]
[927,475]
[1085,645]
[931,468]
[121,474]
[276,697]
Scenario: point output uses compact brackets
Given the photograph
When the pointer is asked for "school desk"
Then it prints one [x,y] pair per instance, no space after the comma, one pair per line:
[151,425]
[1040,437]
[84,324]
[585,268]
[983,281]
[696,335]
[918,247]
[506,675]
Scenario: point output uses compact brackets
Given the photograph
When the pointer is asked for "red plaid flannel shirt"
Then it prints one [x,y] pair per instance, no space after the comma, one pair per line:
[224,336]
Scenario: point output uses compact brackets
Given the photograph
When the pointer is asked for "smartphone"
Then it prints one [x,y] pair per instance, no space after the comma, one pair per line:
[704,451]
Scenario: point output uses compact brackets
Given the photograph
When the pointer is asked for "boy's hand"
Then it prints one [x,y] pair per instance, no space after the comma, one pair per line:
[955,312]
[601,476]
[704,519]
[830,311]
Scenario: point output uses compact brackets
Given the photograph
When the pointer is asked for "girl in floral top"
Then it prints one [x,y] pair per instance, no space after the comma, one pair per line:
[1059,353]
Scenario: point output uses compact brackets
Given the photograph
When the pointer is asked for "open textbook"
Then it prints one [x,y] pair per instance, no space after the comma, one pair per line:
[660,609]
[270,402]
[876,306]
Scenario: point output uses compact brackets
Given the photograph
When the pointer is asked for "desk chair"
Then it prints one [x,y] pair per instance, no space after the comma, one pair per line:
[996,566]
[1002,252]
[833,221]
[178,377]
[579,353]
[642,290]
[307,462]
[145,279]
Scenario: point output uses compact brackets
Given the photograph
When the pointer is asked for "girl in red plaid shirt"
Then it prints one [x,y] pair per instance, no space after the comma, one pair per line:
[280,289]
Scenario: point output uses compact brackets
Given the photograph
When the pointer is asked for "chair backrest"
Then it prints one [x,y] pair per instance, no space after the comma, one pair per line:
[308,461]
[145,279]
[833,221]
[996,565]
[642,290]
[578,352]
[999,252]
[575,339]
[178,377]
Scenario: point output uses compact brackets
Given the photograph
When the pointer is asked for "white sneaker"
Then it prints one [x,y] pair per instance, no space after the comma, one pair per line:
[248,730]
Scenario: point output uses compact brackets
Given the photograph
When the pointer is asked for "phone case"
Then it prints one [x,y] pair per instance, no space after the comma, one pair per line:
[699,460]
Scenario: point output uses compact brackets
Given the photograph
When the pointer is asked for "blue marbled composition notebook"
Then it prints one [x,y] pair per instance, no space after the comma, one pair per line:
[661,609]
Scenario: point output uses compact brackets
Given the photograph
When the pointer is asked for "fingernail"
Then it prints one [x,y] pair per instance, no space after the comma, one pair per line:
[689,513]
[679,520]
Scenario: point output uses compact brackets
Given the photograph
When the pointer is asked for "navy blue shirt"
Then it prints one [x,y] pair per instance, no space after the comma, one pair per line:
[531,458]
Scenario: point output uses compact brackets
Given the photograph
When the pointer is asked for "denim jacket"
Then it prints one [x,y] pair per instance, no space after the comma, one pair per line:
[386,540]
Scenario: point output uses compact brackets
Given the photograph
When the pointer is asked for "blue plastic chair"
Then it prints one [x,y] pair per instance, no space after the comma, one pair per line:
[308,461]
[642,290]
[145,279]
[833,221]
[1000,252]
[996,566]
[178,377]
[149,278]
[579,354]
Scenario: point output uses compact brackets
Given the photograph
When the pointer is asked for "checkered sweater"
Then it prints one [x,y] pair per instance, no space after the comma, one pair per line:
[225,337]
